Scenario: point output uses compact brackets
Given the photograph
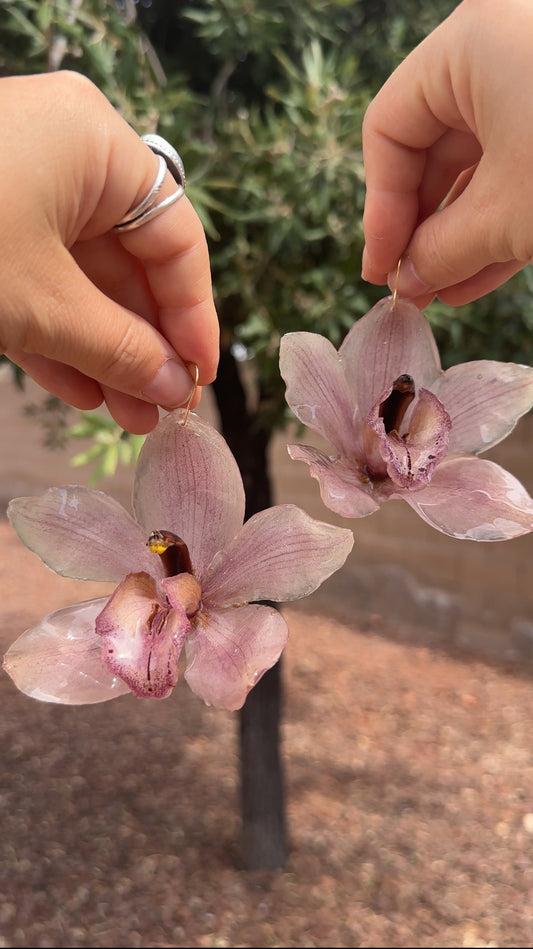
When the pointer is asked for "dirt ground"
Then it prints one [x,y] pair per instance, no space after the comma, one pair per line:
[408,779]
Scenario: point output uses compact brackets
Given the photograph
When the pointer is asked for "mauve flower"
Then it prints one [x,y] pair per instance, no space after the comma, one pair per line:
[188,570]
[401,427]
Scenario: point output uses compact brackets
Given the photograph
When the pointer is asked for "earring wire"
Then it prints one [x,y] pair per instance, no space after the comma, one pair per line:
[192,395]
[395,291]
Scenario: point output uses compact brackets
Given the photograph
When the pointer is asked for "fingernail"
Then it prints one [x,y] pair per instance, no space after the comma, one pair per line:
[407,283]
[171,386]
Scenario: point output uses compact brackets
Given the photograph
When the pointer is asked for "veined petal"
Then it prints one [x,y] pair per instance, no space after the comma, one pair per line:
[343,489]
[81,533]
[188,482]
[412,458]
[280,554]
[474,499]
[484,399]
[230,650]
[142,637]
[317,390]
[60,659]
[385,343]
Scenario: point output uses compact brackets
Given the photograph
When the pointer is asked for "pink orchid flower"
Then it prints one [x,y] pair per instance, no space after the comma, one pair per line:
[401,427]
[188,570]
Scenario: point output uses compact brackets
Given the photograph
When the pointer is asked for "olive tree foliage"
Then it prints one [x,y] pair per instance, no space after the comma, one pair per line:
[264,100]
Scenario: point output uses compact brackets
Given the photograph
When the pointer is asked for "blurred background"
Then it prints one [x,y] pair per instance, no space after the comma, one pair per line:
[404,730]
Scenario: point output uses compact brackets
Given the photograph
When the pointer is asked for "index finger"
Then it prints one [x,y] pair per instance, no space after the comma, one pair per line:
[408,116]
[173,249]
[398,128]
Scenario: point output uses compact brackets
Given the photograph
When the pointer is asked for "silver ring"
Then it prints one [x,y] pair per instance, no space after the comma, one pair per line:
[146,209]
[161,147]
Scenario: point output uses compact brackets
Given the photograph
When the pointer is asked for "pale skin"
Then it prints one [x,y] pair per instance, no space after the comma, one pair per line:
[89,313]
[454,124]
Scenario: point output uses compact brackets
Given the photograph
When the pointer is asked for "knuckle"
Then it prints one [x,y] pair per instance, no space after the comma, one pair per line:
[74,86]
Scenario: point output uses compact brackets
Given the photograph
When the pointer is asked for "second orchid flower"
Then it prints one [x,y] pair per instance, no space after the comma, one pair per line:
[401,427]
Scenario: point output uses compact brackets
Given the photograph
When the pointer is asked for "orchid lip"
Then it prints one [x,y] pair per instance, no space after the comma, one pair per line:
[392,410]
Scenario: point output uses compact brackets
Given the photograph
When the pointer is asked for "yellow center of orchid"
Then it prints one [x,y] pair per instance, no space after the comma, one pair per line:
[158,542]
[173,552]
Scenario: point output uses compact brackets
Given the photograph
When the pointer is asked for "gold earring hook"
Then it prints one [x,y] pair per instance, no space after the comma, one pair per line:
[395,291]
[193,393]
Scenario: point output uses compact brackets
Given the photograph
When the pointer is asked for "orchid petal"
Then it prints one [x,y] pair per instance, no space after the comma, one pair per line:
[343,489]
[60,659]
[81,533]
[392,339]
[229,651]
[411,459]
[142,637]
[474,499]
[188,482]
[280,554]
[485,399]
[317,390]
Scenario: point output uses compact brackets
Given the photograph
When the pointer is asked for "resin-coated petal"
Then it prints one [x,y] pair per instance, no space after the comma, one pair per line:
[484,399]
[229,651]
[142,637]
[474,499]
[345,490]
[82,533]
[280,554]
[187,481]
[317,390]
[387,342]
[60,659]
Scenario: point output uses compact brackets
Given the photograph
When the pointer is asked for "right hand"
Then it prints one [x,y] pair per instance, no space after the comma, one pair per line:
[454,124]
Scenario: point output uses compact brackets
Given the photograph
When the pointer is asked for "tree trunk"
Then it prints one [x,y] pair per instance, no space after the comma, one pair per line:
[264,834]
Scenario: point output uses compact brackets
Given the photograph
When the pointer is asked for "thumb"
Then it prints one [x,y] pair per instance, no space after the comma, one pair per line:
[462,251]
[79,326]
